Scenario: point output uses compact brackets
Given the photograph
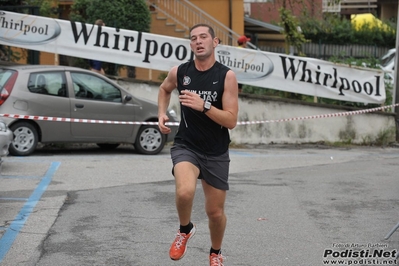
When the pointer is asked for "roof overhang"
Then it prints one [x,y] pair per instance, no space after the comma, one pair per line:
[253,26]
[260,31]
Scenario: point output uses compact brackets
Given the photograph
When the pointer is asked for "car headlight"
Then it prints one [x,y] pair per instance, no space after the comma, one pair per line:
[3,127]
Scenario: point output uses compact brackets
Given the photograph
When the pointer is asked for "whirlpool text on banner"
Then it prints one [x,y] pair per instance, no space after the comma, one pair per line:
[253,67]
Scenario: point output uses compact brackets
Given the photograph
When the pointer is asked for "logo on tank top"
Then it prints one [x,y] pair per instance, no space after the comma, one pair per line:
[186,80]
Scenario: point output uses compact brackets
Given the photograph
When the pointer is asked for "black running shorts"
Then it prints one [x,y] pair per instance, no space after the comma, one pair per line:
[213,169]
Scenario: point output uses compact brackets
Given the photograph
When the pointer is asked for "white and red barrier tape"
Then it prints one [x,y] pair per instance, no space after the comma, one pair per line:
[320,116]
[94,121]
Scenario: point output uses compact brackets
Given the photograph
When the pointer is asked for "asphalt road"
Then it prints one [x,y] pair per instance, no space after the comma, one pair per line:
[286,206]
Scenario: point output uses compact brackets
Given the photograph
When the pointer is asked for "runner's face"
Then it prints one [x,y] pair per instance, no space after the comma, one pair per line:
[202,43]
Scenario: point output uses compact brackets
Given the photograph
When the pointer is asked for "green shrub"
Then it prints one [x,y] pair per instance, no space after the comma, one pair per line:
[336,30]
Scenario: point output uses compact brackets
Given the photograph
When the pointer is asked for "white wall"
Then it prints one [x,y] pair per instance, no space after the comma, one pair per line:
[360,128]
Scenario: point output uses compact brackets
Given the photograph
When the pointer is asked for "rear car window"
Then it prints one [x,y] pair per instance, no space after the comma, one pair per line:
[5,74]
[50,83]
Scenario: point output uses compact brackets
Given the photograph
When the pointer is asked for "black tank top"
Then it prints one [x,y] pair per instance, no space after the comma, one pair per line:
[196,129]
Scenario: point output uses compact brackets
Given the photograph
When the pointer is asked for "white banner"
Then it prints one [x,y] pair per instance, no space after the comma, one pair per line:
[263,69]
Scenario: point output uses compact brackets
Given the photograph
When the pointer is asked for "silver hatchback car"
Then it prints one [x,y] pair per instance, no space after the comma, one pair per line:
[59,104]
[6,137]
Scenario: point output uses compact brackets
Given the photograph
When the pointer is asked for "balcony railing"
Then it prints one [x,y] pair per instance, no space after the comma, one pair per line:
[356,4]
[185,14]
[333,6]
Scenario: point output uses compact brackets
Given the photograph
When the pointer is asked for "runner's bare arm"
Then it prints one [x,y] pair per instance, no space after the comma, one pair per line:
[228,116]
[164,94]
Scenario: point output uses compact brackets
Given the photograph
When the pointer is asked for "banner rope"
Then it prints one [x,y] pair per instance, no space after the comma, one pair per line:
[94,121]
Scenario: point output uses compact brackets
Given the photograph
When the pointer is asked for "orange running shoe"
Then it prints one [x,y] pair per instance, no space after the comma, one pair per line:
[216,259]
[179,246]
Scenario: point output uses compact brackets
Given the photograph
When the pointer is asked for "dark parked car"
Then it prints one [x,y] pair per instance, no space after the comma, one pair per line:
[57,92]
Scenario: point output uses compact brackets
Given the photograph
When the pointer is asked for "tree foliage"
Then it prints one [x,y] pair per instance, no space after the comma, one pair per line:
[10,2]
[334,29]
[293,34]
[47,8]
[123,14]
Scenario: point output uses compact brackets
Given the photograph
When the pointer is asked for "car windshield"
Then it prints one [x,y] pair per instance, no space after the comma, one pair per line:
[5,74]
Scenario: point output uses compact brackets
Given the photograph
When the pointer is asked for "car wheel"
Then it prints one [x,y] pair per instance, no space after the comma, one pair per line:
[25,139]
[149,140]
[108,146]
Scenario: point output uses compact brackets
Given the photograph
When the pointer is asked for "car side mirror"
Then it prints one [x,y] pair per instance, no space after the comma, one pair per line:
[127,98]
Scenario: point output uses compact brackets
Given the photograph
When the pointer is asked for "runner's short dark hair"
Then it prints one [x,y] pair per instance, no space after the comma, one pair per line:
[210,29]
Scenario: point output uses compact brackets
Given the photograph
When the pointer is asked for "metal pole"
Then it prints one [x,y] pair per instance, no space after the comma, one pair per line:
[395,93]
[231,22]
